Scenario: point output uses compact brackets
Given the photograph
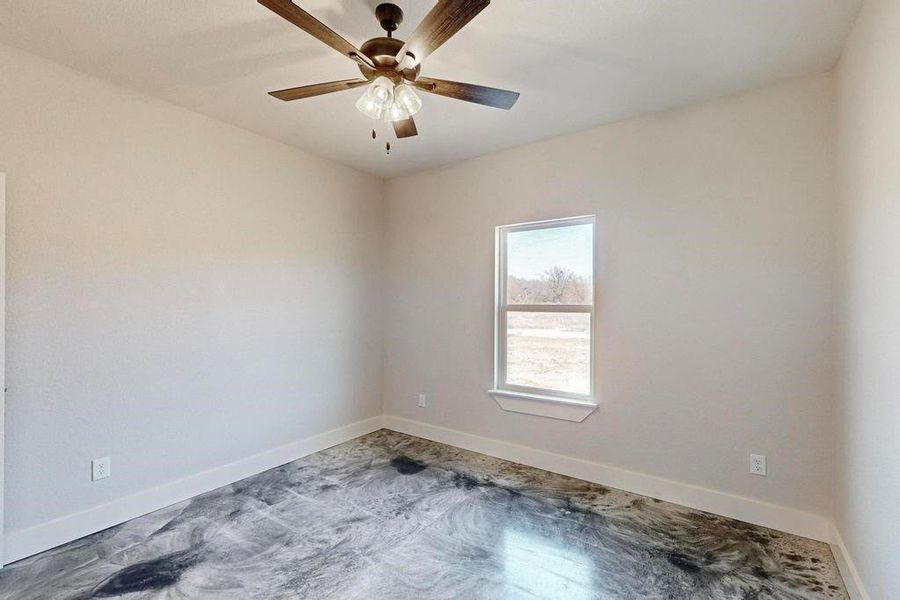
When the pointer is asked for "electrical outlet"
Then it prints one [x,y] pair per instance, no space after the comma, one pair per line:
[100,468]
[758,464]
[423,400]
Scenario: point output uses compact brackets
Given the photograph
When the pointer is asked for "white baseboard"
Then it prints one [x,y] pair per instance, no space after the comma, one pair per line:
[845,563]
[26,542]
[778,517]
[23,543]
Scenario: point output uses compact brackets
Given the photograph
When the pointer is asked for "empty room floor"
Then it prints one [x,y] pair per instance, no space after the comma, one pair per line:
[388,515]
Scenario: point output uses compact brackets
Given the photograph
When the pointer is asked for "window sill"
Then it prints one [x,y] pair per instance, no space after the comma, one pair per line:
[543,406]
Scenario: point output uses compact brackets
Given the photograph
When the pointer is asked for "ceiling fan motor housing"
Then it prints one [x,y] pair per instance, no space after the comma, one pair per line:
[383,52]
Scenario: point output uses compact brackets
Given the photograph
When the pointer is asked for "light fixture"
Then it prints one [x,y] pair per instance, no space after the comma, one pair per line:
[395,112]
[377,98]
[407,98]
[382,92]
[366,105]
[382,99]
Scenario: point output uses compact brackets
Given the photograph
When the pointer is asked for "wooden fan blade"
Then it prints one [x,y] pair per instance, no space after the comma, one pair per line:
[469,92]
[405,128]
[439,25]
[317,89]
[314,27]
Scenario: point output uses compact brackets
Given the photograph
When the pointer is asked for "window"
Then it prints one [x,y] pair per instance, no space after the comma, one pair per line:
[545,312]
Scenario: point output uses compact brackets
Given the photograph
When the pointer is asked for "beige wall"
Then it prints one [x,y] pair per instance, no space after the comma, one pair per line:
[181,293]
[715,301]
[868,416]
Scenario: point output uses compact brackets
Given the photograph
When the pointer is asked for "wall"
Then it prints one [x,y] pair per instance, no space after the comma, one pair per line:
[868,450]
[181,293]
[715,301]
[2,348]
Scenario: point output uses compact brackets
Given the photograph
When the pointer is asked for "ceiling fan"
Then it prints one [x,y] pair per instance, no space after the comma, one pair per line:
[390,67]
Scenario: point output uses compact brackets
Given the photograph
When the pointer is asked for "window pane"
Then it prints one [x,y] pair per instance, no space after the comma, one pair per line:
[553,265]
[549,350]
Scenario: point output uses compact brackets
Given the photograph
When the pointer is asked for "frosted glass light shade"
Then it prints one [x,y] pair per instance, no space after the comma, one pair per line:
[407,98]
[381,92]
[366,105]
[395,112]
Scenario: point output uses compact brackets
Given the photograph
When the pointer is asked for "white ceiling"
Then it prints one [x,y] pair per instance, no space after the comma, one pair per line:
[577,63]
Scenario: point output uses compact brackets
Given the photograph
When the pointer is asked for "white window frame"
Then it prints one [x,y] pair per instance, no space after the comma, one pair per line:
[534,400]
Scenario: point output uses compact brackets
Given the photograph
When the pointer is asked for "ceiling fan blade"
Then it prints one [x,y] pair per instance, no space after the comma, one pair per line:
[317,89]
[314,27]
[469,92]
[405,128]
[439,25]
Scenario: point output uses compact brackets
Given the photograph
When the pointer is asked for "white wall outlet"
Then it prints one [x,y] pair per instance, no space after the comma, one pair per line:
[423,400]
[100,468]
[758,464]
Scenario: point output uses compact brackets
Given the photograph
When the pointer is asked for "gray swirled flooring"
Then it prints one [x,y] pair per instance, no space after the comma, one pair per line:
[392,516]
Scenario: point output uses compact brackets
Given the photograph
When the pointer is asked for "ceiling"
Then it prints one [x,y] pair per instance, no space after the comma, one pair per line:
[577,63]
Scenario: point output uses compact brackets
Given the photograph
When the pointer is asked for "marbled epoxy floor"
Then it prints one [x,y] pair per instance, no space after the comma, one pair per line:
[392,516]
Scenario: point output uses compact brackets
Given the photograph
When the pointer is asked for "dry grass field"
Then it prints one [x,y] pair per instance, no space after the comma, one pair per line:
[549,350]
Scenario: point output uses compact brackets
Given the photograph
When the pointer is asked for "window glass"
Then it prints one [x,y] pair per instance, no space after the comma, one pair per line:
[549,350]
[551,265]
